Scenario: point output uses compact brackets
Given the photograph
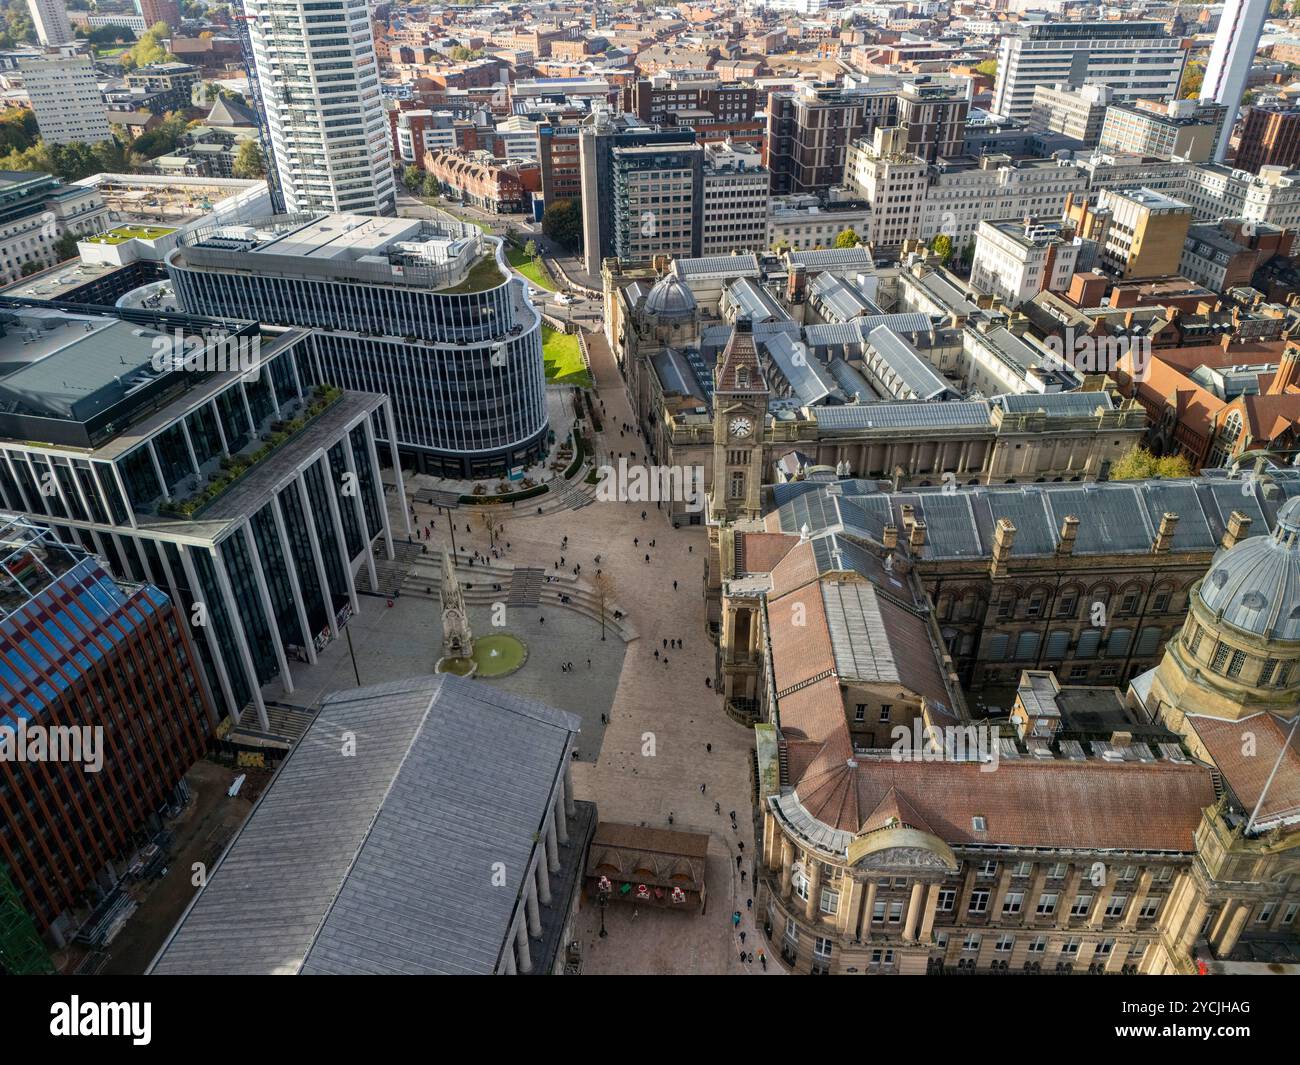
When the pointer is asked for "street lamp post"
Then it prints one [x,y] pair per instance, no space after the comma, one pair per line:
[603,891]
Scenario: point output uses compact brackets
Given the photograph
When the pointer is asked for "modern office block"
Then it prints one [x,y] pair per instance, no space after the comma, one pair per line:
[1137,60]
[223,467]
[427,313]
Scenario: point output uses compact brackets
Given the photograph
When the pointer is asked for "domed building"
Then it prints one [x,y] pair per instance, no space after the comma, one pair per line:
[1239,650]
[1229,685]
[670,312]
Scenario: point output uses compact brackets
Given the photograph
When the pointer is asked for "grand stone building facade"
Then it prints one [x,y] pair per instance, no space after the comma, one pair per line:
[1086,832]
[1088,580]
[840,394]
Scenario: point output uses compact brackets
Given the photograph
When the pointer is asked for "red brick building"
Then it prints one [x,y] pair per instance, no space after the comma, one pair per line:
[485,183]
[105,674]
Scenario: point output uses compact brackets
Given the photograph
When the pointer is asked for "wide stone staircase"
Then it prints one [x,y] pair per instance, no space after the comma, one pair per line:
[522,586]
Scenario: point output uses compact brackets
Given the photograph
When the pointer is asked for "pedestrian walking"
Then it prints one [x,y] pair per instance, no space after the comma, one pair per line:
[702,789]
[674,586]
[762,960]
[656,654]
[642,517]
[735,919]
[717,807]
[665,645]
[749,904]
[742,936]
[742,876]
[708,747]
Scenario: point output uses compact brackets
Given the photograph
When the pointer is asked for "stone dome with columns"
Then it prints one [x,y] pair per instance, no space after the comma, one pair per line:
[1255,585]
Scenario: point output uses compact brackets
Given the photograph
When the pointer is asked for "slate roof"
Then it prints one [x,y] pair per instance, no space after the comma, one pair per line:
[1116,516]
[381,862]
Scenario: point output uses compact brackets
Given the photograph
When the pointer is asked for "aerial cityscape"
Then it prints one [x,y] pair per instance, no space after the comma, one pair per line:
[733,487]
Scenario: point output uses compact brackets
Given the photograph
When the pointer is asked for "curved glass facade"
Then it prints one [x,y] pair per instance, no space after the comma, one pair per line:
[464,369]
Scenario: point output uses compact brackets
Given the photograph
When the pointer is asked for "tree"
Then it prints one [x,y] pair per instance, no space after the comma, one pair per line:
[412,178]
[1193,77]
[989,68]
[942,247]
[65,247]
[848,238]
[604,589]
[249,162]
[432,187]
[1140,464]
[562,223]
[18,128]
[30,268]
[530,249]
[148,49]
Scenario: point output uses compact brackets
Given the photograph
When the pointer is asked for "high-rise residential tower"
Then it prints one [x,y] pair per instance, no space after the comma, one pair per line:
[1231,56]
[319,83]
[51,19]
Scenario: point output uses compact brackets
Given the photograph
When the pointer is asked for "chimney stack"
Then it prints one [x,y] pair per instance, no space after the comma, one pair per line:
[1004,536]
[916,536]
[1069,532]
[890,538]
[1165,536]
[1238,529]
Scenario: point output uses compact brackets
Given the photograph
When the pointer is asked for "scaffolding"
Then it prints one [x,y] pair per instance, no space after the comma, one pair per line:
[21,951]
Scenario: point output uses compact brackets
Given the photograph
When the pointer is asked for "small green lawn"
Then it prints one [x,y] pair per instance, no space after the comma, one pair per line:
[122,234]
[563,358]
[530,268]
[483,275]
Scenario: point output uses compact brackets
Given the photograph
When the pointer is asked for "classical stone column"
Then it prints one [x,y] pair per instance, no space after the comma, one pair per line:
[552,848]
[868,908]
[1099,904]
[1240,913]
[1072,881]
[787,868]
[814,874]
[1139,897]
[568,788]
[931,908]
[913,912]
[557,812]
[543,881]
[523,957]
[999,893]
[846,915]
[1192,928]
[530,906]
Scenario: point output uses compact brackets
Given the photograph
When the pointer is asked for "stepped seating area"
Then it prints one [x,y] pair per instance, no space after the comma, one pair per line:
[524,587]
[390,573]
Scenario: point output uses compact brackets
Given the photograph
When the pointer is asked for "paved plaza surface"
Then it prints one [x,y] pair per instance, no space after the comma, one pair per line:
[652,757]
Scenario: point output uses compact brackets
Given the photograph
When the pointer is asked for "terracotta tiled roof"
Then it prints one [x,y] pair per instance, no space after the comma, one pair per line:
[894,806]
[801,642]
[1247,774]
[760,552]
[1091,805]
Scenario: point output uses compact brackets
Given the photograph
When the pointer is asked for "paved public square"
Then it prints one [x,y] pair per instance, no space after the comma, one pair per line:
[652,758]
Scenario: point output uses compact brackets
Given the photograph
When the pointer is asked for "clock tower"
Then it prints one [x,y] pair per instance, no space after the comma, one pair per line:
[740,396]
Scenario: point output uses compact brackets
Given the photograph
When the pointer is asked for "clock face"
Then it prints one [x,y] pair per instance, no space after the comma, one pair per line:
[741,426]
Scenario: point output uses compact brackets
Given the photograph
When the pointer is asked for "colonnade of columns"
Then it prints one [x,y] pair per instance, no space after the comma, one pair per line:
[536,890]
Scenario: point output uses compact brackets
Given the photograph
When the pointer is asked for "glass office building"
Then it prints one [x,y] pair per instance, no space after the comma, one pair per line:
[426,313]
[251,494]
